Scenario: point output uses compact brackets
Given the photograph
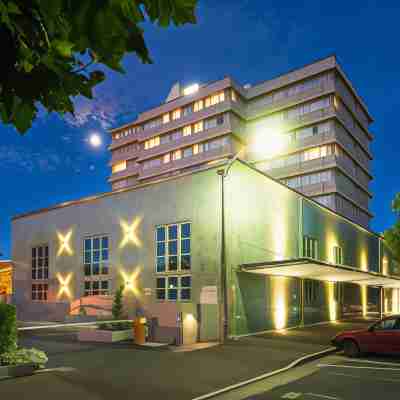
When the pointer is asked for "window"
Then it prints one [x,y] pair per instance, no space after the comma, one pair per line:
[198,105]
[40,291]
[174,288]
[337,255]
[210,123]
[310,247]
[167,158]
[214,99]
[387,324]
[188,152]
[96,255]
[165,118]
[96,288]
[120,166]
[155,141]
[187,110]
[176,114]
[233,95]
[177,155]
[173,247]
[198,127]
[40,262]
[155,162]
[187,130]
[310,292]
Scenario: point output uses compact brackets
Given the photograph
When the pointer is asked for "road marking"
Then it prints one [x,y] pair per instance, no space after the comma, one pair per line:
[356,367]
[291,395]
[268,374]
[58,369]
[322,396]
[369,378]
[374,362]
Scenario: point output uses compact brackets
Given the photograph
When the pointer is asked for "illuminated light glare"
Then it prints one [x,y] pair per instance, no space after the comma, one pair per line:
[130,281]
[331,302]
[279,297]
[385,265]
[190,89]
[189,317]
[64,243]
[64,285]
[95,140]
[364,296]
[130,233]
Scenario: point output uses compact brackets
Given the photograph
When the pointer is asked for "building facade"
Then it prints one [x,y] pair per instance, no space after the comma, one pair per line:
[314,112]
[288,259]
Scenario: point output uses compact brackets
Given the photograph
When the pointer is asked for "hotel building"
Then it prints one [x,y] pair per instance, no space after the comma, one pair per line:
[209,244]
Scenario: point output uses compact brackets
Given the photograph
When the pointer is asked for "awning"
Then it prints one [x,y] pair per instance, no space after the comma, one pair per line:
[323,271]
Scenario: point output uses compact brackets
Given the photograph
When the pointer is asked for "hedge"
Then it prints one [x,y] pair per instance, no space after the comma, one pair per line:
[8,328]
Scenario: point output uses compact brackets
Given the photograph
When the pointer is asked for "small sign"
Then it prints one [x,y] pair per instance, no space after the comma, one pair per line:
[209,295]
[147,291]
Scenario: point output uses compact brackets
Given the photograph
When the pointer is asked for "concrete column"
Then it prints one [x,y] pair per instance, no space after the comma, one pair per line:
[381,302]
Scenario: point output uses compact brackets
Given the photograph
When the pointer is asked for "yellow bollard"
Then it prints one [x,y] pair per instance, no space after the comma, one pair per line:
[139,330]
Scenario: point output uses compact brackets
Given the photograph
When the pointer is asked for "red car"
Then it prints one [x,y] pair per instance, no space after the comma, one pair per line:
[381,337]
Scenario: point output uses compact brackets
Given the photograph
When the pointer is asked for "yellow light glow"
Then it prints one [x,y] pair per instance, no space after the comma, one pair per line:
[190,89]
[279,299]
[364,260]
[130,281]
[332,302]
[64,285]
[364,300]
[385,265]
[331,243]
[130,233]
[189,318]
[64,243]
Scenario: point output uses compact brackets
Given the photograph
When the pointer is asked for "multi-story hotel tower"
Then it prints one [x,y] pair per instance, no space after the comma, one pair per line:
[314,112]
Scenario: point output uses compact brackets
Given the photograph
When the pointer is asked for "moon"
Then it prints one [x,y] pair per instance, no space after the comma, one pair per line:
[95,140]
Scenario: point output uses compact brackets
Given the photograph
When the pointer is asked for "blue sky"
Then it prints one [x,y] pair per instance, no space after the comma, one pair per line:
[251,41]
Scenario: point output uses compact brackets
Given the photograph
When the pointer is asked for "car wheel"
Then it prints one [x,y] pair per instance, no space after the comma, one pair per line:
[351,349]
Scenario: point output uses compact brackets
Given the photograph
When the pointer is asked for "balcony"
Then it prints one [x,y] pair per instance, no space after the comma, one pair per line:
[128,155]
[129,171]
[183,163]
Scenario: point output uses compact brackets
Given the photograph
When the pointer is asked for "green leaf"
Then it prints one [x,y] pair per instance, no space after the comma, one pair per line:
[13,8]
[23,116]
[63,47]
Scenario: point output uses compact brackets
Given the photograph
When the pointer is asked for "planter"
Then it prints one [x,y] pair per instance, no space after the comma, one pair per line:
[104,336]
[17,370]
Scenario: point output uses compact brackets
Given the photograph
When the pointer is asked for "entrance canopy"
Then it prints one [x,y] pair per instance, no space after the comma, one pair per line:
[309,268]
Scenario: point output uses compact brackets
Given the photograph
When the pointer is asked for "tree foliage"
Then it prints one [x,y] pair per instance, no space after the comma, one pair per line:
[118,306]
[49,48]
[392,235]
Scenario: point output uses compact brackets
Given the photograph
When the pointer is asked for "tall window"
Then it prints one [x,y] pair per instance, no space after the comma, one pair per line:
[337,255]
[119,166]
[95,258]
[173,244]
[310,291]
[310,247]
[40,262]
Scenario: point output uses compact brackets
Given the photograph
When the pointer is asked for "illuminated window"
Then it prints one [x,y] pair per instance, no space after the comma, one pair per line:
[337,255]
[155,141]
[120,166]
[166,158]
[198,105]
[310,247]
[195,148]
[40,291]
[187,130]
[165,118]
[198,126]
[233,95]
[214,99]
[176,114]
[40,262]
[96,288]
[96,256]
[173,243]
[174,288]
[177,155]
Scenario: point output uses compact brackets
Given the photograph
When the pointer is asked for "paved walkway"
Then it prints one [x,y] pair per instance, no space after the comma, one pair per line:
[106,371]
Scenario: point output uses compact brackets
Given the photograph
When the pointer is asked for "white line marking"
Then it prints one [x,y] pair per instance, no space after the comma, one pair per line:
[267,375]
[357,367]
[364,378]
[374,362]
[58,369]
[322,396]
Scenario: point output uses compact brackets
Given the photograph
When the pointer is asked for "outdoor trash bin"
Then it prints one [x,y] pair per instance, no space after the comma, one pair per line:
[139,330]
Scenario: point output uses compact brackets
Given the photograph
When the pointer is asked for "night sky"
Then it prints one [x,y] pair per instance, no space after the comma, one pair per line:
[251,41]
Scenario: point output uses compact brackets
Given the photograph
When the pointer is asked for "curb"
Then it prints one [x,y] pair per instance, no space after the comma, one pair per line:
[293,364]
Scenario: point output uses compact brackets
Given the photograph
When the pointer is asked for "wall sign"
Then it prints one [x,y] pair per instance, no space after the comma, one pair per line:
[209,295]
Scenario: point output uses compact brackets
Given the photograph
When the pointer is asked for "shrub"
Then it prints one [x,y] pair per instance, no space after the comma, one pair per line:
[24,356]
[117,307]
[8,328]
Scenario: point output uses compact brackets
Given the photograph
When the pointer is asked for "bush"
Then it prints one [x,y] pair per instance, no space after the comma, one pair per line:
[115,326]
[24,356]
[8,328]
[117,307]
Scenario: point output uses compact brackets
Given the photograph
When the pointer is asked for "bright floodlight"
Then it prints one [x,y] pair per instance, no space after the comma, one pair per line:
[191,89]
[95,140]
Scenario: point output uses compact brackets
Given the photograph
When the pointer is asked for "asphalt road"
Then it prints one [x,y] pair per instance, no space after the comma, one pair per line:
[333,378]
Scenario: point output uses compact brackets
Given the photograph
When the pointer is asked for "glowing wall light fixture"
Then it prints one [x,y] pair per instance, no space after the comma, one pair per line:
[130,281]
[129,232]
[279,300]
[64,243]
[64,285]
[190,89]
[331,301]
